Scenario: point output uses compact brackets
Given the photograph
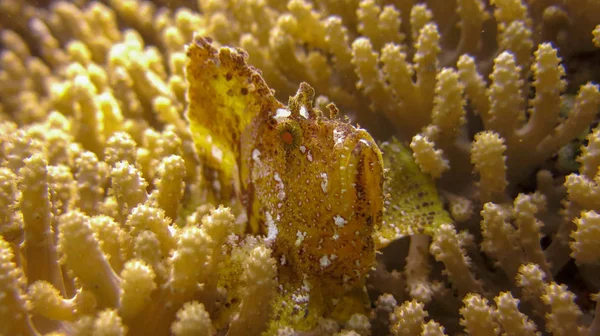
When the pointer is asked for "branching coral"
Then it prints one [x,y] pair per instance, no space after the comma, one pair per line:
[93,250]
[150,187]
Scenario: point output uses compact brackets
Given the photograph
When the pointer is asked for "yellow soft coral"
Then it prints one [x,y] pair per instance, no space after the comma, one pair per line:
[14,318]
[540,127]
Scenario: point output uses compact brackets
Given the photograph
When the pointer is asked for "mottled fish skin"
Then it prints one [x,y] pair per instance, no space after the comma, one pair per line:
[318,183]
[311,184]
[225,94]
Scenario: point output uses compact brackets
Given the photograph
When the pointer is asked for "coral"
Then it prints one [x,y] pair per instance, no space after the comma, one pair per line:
[152,180]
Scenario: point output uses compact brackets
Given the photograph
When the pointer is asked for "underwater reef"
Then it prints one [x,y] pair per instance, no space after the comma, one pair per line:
[324,167]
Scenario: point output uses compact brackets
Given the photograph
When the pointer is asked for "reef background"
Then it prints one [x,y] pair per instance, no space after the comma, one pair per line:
[110,225]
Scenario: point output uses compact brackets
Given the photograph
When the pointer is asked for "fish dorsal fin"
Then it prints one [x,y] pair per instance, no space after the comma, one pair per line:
[225,94]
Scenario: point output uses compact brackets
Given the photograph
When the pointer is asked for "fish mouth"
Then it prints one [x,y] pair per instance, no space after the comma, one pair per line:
[361,164]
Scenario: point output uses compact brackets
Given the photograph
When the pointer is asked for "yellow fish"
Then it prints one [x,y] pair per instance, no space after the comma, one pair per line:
[311,184]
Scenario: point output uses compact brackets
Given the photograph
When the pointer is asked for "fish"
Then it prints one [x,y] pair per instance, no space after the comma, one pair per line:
[310,182]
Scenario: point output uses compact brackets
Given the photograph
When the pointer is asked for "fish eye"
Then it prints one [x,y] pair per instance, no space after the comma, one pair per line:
[289,134]
[287,137]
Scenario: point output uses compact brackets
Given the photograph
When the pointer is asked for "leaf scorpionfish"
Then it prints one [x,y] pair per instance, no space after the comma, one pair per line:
[311,184]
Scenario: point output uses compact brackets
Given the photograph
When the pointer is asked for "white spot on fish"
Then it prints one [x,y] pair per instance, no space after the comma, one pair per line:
[282,114]
[338,136]
[272,230]
[339,221]
[324,182]
[304,112]
[299,238]
[280,186]
[324,261]
[256,155]
[217,153]
[365,142]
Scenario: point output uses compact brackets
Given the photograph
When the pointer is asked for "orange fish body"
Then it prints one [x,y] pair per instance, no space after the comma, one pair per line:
[311,184]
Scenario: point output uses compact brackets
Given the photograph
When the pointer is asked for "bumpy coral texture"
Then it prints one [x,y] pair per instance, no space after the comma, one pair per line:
[156,179]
